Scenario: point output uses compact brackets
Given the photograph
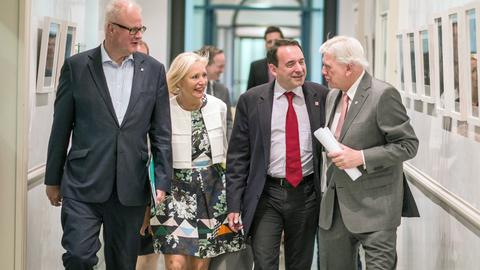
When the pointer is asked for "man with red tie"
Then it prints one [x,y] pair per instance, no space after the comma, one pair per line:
[273,162]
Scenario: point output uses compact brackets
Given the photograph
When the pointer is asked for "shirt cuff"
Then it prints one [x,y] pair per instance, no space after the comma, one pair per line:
[363,158]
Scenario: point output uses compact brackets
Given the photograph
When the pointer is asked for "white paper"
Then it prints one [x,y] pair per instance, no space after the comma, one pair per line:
[326,138]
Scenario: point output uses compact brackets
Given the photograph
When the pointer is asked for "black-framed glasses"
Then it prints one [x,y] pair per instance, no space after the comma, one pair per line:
[132,31]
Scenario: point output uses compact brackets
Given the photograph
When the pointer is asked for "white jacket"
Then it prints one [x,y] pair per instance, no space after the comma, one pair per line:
[215,118]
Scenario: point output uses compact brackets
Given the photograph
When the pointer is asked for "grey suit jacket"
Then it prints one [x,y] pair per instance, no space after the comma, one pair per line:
[103,152]
[219,90]
[248,155]
[376,123]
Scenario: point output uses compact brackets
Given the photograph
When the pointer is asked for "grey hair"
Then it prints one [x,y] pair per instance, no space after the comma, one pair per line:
[346,50]
[115,7]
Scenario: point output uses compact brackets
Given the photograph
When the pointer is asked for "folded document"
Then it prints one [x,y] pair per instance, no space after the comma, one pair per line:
[326,138]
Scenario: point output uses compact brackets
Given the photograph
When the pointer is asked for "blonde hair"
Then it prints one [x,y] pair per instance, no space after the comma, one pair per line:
[115,7]
[346,50]
[180,67]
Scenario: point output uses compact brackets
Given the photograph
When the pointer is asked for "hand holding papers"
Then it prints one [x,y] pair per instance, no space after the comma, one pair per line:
[326,138]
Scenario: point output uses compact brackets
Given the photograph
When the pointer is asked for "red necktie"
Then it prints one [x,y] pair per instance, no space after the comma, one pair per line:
[343,113]
[293,166]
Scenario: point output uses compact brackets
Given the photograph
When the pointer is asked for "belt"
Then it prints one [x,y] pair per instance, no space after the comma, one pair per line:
[283,182]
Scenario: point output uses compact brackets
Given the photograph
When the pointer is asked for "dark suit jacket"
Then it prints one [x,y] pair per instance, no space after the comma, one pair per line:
[221,91]
[103,152]
[258,73]
[378,124]
[248,155]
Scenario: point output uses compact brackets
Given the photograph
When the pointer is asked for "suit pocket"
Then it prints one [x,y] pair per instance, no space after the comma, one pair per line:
[77,154]
[380,178]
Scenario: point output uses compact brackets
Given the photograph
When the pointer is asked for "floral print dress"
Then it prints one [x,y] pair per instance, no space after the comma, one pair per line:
[193,216]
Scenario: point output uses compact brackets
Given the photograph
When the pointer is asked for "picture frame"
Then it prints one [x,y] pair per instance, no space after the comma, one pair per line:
[472,31]
[67,47]
[48,55]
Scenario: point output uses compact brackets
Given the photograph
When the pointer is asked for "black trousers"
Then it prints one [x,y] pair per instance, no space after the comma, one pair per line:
[81,223]
[293,211]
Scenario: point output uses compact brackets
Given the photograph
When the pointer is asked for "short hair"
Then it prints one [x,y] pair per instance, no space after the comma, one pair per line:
[115,7]
[272,29]
[346,50]
[272,57]
[144,44]
[180,67]
[210,52]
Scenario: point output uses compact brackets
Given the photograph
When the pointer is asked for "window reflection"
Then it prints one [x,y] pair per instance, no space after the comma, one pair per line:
[400,61]
[426,63]
[441,86]
[412,62]
[456,75]
[472,34]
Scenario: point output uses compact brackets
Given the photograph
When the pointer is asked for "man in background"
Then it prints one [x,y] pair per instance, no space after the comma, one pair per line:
[259,71]
[215,68]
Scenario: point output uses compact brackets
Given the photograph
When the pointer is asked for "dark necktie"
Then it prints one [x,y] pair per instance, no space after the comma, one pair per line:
[293,166]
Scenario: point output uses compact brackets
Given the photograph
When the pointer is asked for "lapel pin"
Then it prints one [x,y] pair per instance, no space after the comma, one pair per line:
[317,104]
[356,101]
[141,69]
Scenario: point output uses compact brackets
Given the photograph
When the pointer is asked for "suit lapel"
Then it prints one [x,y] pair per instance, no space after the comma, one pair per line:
[138,79]
[96,70]
[265,104]
[332,101]
[357,103]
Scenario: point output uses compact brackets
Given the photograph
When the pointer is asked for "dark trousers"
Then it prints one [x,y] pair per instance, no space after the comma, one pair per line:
[293,211]
[81,223]
[340,247]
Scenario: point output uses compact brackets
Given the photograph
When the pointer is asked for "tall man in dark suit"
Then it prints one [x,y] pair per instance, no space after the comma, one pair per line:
[369,120]
[215,68]
[108,100]
[259,71]
[273,162]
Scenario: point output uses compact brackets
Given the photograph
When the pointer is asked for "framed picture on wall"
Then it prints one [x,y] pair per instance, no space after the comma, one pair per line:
[48,55]
[67,46]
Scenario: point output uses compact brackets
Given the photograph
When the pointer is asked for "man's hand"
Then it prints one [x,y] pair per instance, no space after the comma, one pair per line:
[346,158]
[54,196]
[160,197]
[146,223]
[234,222]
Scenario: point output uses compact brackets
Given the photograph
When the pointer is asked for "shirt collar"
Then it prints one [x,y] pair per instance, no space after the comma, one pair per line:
[278,90]
[353,89]
[106,58]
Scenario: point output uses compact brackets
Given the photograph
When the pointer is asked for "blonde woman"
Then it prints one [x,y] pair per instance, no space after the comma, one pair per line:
[193,217]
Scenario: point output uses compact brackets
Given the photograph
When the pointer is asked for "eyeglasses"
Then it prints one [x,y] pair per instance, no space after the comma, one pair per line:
[132,31]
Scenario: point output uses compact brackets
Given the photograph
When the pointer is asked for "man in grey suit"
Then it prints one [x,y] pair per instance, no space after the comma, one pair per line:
[273,162]
[369,120]
[215,68]
[108,100]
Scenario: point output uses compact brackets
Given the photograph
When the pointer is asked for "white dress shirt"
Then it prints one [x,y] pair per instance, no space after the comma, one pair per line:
[276,166]
[119,81]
